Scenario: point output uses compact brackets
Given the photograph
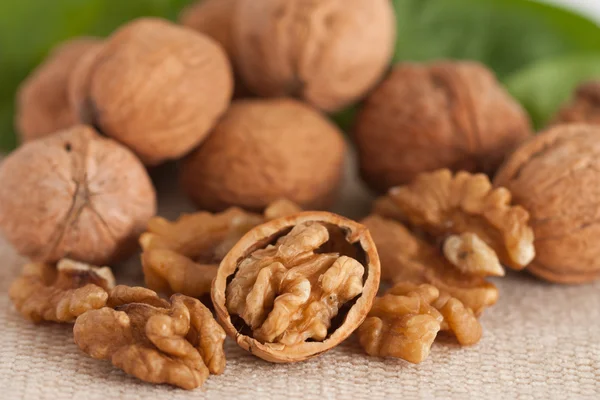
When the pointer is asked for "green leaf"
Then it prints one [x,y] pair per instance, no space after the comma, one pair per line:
[503,34]
[544,86]
[30,28]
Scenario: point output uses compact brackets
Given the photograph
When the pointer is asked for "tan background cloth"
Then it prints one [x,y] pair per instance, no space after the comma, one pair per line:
[541,341]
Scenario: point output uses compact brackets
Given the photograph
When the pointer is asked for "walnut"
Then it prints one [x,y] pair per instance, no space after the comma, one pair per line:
[405,321]
[74,194]
[297,286]
[178,343]
[410,259]
[263,150]
[157,88]
[44,292]
[183,256]
[584,107]
[555,177]
[440,115]
[443,204]
[327,53]
[42,102]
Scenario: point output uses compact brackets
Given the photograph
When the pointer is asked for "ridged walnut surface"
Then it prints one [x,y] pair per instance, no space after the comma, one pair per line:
[424,117]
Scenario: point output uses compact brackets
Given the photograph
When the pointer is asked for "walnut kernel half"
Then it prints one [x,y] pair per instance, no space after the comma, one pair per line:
[297,286]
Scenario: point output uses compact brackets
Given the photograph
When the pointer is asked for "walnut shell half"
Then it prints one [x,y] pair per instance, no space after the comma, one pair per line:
[556,177]
[302,284]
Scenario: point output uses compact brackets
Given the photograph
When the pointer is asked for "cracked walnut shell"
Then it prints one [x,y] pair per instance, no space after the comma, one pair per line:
[264,150]
[176,342]
[555,177]
[327,53]
[406,258]
[74,195]
[156,87]
[183,256]
[441,204]
[44,292]
[444,114]
[297,286]
[405,321]
[43,105]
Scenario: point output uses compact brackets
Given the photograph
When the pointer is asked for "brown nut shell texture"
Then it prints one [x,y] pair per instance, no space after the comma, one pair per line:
[441,204]
[156,87]
[183,256]
[328,53]
[555,177]
[42,102]
[405,321]
[74,195]
[424,117]
[176,342]
[584,107]
[297,286]
[263,150]
[60,293]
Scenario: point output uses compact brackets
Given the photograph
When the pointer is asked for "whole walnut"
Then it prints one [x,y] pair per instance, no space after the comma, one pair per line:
[556,177]
[156,87]
[584,107]
[328,53]
[74,194]
[424,117]
[42,101]
[263,150]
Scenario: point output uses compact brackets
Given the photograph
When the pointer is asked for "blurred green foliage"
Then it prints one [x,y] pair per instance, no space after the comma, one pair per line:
[544,86]
[536,48]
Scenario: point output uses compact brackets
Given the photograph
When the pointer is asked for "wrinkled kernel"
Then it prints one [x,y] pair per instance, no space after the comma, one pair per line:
[405,258]
[472,255]
[62,293]
[288,293]
[183,256]
[441,204]
[405,321]
[176,342]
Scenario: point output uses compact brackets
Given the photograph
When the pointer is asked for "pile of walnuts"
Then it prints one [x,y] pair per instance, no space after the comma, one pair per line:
[238,94]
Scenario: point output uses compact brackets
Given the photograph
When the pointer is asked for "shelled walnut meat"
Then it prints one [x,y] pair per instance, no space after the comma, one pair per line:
[297,286]
[263,150]
[405,321]
[156,87]
[176,342]
[584,107]
[60,293]
[555,177]
[42,100]
[445,114]
[74,194]
[183,256]
[328,53]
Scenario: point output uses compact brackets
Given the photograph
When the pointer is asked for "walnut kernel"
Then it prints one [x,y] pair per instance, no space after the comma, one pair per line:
[442,204]
[297,286]
[47,293]
[183,256]
[405,321]
[178,343]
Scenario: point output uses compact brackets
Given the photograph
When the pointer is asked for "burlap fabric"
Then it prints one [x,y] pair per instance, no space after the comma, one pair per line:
[541,341]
